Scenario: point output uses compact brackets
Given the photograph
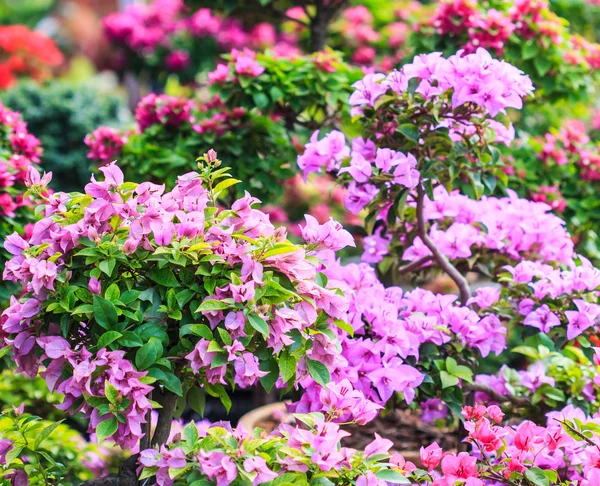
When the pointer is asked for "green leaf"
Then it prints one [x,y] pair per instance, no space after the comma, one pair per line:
[201,330]
[112,293]
[391,476]
[448,380]
[106,429]
[147,355]
[225,336]
[107,266]
[45,432]
[218,391]
[221,186]
[259,324]
[410,131]
[318,371]
[287,366]
[344,326]
[212,305]
[108,338]
[163,276]
[130,339]
[190,433]
[197,400]
[280,250]
[261,100]
[111,393]
[105,313]
[537,476]
[172,383]
[542,65]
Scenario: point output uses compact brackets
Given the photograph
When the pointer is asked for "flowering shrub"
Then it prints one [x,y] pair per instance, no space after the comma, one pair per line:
[165,37]
[60,114]
[19,150]
[26,53]
[37,452]
[561,169]
[294,455]
[170,133]
[524,32]
[435,120]
[304,90]
[134,294]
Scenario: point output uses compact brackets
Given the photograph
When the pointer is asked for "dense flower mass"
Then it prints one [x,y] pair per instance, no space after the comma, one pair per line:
[26,53]
[19,150]
[164,33]
[387,329]
[562,169]
[526,33]
[475,78]
[221,455]
[236,290]
[512,226]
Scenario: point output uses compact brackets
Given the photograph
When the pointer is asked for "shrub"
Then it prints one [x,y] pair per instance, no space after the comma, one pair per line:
[60,115]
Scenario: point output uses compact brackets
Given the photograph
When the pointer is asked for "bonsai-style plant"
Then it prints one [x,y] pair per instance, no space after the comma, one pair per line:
[139,299]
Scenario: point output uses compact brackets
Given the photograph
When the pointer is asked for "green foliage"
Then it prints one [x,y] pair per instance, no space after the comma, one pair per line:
[60,114]
[260,151]
[48,452]
[304,91]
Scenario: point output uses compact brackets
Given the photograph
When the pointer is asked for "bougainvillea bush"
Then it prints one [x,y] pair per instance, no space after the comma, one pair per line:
[136,296]
[561,169]
[61,114]
[428,154]
[526,33]
[19,150]
[26,54]
[166,37]
[260,108]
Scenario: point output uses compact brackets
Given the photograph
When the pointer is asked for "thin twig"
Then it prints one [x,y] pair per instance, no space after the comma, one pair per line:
[441,259]
[414,266]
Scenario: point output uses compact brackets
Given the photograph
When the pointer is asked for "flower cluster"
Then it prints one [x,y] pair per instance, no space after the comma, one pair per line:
[511,226]
[545,297]
[475,78]
[19,150]
[525,32]
[170,132]
[562,169]
[381,348]
[26,53]
[164,36]
[123,278]
[105,144]
[558,451]
[221,455]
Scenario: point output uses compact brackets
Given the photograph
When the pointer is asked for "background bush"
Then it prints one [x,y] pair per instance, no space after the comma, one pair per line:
[60,114]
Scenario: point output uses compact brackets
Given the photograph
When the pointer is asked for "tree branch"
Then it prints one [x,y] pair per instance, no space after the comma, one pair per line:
[441,259]
[127,475]
[414,266]
[517,401]
[168,400]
